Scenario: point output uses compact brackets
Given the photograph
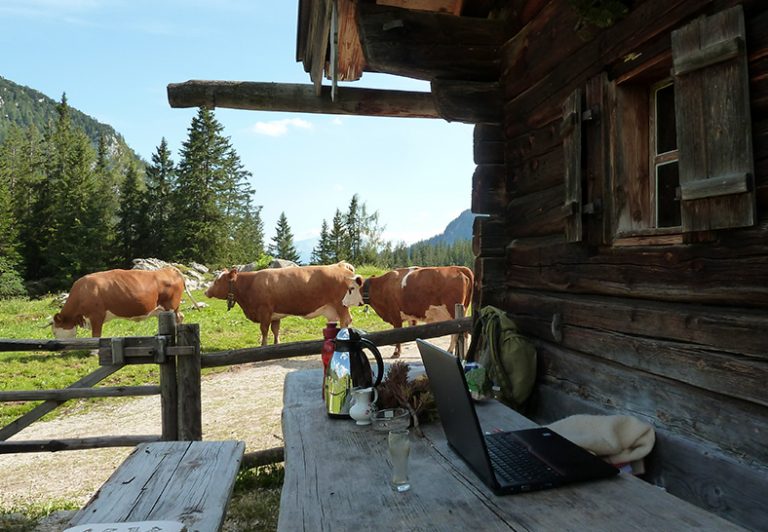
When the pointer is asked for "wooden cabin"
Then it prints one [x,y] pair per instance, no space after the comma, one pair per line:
[622,155]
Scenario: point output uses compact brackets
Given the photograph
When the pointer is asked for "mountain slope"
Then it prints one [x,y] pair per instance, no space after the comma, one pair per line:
[460,228]
[23,106]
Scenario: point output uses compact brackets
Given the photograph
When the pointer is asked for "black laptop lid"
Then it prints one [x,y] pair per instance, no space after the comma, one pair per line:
[454,404]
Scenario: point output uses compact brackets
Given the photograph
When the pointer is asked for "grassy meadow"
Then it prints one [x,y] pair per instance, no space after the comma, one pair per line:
[257,491]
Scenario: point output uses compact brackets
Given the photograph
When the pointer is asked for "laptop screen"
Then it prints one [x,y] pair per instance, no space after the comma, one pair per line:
[457,413]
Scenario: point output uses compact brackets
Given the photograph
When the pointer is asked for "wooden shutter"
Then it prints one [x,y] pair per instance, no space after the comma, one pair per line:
[571,134]
[714,132]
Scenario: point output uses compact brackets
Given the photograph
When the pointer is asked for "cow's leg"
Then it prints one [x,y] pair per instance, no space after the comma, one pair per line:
[276,330]
[97,322]
[264,326]
[396,353]
[345,318]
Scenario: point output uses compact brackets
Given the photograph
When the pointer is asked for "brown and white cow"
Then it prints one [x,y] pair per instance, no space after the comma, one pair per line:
[418,294]
[133,294]
[267,296]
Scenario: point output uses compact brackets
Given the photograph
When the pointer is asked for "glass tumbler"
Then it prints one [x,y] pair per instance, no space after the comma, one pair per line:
[399,449]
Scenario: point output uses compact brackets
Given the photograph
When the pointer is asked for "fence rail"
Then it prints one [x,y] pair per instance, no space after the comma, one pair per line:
[176,350]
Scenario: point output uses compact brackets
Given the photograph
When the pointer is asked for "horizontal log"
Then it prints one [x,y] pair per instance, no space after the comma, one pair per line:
[301,98]
[313,347]
[39,411]
[471,102]
[685,467]
[429,45]
[687,410]
[262,458]
[78,393]
[74,444]
[10,345]
[489,189]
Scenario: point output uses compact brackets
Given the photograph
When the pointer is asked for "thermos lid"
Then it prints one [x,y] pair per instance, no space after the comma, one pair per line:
[347,338]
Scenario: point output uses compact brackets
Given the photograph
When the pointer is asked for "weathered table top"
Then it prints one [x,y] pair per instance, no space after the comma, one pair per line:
[336,478]
[188,482]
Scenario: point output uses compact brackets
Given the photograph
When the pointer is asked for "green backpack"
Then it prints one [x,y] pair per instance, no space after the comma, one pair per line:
[506,358]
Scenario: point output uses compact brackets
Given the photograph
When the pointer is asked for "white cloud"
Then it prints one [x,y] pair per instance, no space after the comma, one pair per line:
[337,121]
[278,128]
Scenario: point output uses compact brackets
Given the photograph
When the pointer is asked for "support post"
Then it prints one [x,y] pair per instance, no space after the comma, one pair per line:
[461,337]
[188,381]
[168,387]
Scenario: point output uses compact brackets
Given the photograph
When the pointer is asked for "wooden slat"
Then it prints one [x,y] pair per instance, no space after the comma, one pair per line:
[715,186]
[572,108]
[190,482]
[708,55]
[78,393]
[313,347]
[11,345]
[74,444]
[298,98]
[39,411]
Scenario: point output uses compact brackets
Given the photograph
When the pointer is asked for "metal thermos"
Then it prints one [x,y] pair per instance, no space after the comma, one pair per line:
[349,368]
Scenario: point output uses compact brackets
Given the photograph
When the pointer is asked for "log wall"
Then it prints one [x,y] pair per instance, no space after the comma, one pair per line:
[673,332]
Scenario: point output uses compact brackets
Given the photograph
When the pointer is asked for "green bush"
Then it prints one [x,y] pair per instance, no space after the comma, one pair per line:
[11,283]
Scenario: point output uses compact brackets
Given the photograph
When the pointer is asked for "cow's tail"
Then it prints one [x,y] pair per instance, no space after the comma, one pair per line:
[186,288]
[189,293]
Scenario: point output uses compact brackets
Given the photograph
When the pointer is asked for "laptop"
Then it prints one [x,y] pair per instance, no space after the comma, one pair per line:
[507,462]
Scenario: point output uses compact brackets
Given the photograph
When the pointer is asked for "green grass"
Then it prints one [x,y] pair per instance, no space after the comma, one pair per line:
[256,499]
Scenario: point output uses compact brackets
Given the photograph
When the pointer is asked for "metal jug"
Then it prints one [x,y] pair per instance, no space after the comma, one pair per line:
[349,368]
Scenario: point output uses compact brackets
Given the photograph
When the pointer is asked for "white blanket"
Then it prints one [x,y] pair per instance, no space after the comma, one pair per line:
[616,439]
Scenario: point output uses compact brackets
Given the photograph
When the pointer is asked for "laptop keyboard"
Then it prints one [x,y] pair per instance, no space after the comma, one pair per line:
[512,460]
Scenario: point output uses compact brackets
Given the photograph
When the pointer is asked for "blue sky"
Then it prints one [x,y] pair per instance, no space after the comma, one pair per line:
[114,59]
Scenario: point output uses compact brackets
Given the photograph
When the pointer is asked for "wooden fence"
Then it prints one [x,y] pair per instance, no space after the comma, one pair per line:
[176,350]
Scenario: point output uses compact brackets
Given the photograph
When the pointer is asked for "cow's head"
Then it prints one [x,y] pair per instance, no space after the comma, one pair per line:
[223,287]
[61,329]
[354,296]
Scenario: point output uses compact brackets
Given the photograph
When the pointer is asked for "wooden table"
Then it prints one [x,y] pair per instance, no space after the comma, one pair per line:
[336,478]
[188,482]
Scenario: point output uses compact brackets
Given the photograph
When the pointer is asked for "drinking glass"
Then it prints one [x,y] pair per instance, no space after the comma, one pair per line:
[399,449]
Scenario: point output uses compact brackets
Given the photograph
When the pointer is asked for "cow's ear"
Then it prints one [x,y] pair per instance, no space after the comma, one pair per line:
[232,274]
[359,280]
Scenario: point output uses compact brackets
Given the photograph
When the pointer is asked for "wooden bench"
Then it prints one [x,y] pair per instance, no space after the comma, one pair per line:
[186,482]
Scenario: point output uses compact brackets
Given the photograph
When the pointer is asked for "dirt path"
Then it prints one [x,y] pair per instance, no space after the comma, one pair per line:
[244,404]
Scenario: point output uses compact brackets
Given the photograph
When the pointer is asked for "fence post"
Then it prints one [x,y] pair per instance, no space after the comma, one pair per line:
[168,387]
[460,338]
[188,380]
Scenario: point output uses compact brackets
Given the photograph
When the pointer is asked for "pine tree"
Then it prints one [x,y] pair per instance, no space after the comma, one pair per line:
[132,227]
[282,243]
[160,181]
[337,239]
[352,224]
[209,182]
[248,241]
[321,254]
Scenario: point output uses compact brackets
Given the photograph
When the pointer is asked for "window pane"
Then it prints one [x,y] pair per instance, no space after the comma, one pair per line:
[666,137]
[667,206]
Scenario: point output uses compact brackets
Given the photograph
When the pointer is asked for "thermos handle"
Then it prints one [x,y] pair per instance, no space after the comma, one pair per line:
[377,355]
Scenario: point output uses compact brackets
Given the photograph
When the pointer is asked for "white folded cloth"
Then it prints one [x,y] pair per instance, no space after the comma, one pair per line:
[616,439]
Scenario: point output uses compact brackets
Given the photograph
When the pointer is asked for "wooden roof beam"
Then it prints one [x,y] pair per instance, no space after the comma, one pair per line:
[301,98]
[426,45]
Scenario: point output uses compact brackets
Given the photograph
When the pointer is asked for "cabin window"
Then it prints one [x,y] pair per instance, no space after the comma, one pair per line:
[664,166]
[681,157]
[646,172]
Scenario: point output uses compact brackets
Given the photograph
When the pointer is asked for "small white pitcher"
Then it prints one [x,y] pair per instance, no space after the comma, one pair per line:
[362,403]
